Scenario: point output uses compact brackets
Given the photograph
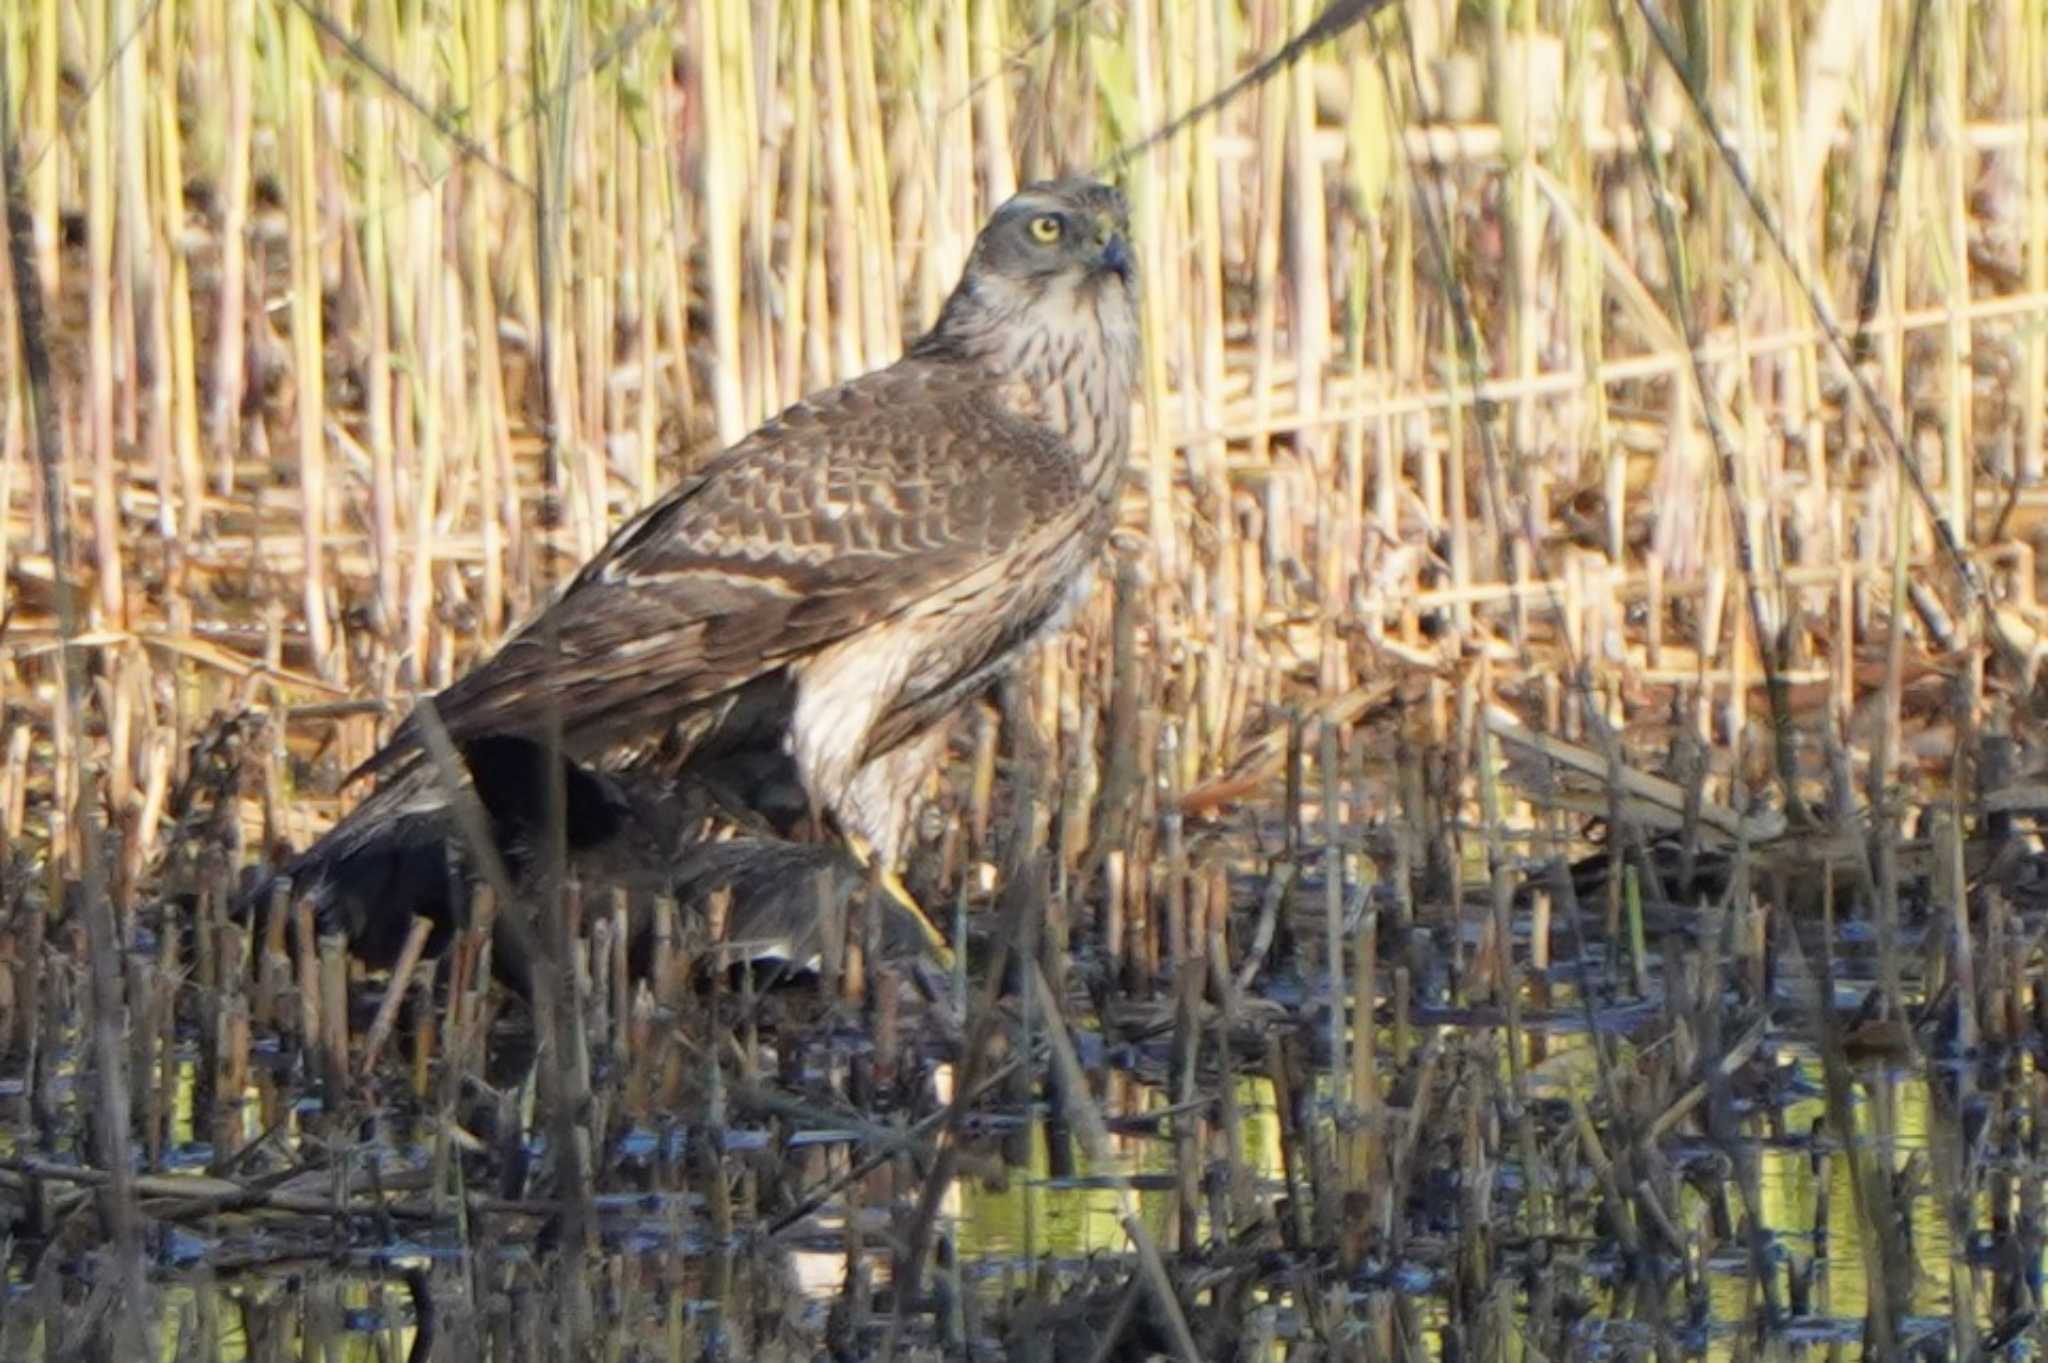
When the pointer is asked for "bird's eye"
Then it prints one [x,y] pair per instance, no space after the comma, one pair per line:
[1046,228]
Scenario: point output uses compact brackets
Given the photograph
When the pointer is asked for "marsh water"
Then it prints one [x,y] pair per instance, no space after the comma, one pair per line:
[215,1279]
[1632,1154]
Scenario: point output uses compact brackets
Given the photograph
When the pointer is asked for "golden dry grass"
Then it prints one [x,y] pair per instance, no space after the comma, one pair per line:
[370,322]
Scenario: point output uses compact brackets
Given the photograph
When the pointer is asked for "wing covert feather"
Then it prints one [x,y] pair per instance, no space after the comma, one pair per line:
[847,509]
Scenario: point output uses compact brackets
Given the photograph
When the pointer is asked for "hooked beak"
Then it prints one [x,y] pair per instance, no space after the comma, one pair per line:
[1114,256]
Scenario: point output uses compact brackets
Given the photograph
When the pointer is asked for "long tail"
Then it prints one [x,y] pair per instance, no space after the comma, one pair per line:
[402,854]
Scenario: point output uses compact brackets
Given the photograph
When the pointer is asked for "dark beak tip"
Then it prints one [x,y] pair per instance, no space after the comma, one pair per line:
[1116,256]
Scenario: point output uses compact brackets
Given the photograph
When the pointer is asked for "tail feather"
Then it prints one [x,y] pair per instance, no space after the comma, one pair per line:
[401,854]
[393,858]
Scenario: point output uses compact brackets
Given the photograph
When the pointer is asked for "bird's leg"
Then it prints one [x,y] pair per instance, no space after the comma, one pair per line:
[872,806]
[885,876]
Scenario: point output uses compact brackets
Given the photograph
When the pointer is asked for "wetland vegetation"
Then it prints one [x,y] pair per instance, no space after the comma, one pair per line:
[1531,850]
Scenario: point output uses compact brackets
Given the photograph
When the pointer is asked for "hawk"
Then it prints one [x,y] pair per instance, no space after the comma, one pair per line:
[832,587]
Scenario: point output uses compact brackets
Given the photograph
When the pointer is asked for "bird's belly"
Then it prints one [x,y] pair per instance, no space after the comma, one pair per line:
[871,694]
[958,659]
[841,695]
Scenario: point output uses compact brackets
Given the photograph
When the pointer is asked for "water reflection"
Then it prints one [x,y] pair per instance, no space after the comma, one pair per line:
[232,1284]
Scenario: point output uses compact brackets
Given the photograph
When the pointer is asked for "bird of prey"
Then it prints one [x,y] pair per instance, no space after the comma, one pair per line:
[832,587]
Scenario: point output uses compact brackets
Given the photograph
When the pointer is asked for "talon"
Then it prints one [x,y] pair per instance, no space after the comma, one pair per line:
[941,948]
[864,853]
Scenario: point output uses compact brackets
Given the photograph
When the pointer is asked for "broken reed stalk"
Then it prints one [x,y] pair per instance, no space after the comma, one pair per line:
[333,1040]
[134,1325]
[1363,1141]
[404,974]
[1334,978]
[307,967]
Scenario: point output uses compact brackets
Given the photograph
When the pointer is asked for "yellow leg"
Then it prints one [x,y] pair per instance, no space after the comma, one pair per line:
[942,950]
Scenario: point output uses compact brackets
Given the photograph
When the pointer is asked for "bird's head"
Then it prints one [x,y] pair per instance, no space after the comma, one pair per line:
[1052,273]
[1076,232]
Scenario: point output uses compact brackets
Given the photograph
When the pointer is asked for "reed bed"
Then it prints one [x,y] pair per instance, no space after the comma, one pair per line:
[1551,413]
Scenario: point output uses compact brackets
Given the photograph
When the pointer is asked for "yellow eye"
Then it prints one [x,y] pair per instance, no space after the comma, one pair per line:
[1046,228]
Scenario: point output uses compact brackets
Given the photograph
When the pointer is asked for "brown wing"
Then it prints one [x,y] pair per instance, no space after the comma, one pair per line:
[844,511]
